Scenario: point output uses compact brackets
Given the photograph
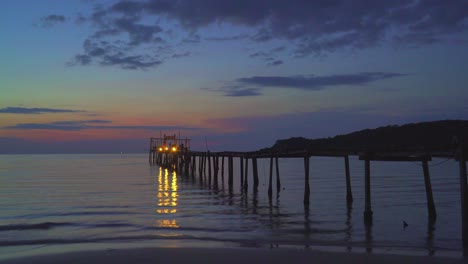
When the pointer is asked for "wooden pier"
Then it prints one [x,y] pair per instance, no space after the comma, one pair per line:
[184,161]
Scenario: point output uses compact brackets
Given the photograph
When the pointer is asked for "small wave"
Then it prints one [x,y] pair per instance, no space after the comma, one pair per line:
[211,230]
[44,226]
[104,206]
[88,240]
[76,213]
[110,225]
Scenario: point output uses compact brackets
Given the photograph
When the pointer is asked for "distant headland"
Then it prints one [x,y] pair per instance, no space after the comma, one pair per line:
[423,135]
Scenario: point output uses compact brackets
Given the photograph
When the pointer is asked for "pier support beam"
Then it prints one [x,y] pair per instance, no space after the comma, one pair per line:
[209,168]
[349,194]
[255,173]
[246,183]
[231,173]
[222,171]
[216,170]
[194,165]
[430,199]
[241,173]
[464,197]
[368,210]
[270,191]
[306,180]
[278,182]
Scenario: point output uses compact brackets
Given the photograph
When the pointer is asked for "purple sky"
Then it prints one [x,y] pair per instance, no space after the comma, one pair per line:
[105,76]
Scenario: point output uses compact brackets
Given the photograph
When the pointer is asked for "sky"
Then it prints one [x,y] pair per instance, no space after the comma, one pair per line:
[88,76]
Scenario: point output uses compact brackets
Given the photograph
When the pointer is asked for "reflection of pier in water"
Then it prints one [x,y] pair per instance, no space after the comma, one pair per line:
[270,213]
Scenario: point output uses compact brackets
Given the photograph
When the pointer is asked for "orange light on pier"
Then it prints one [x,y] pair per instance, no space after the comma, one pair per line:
[174,149]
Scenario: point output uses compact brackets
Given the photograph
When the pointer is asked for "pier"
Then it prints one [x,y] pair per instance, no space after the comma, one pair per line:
[174,153]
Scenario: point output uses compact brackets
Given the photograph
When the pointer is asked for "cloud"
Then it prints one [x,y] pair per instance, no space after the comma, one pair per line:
[114,53]
[59,125]
[25,146]
[90,124]
[275,63]
[23,110]
[251,86]
[270,56]
[312,27]
[236,91]
[136,28]
[228,38]
[181,55]
[311,82]
[51,20]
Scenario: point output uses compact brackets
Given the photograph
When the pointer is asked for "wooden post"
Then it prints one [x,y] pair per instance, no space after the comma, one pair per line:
[255,173]
[231,173]
[270,180]
[463,195]
[216,169]
[194,165]
[209,168]
[306,180]
[349,194]
[368,210]
[222,170]
[204,165]
[246,182]
[278,183]
[241,173]
[200,166]
[430,199]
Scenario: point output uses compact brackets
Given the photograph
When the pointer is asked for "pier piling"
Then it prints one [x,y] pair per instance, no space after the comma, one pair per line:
[270,180]
[306,181]
[349,194]
[241,173]
[430,199]
[246,182]
[278,182]
[231,173]
[367,188]
[255,173]
[463,196]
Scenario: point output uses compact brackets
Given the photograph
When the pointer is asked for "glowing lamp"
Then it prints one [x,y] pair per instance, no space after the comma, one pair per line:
[174,149]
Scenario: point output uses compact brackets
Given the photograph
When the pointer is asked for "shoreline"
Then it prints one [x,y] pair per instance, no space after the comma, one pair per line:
[224,255]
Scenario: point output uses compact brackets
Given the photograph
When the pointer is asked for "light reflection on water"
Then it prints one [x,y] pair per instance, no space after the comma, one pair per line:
[167,198]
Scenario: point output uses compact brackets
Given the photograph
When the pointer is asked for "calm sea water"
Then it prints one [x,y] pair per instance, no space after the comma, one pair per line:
[59,201]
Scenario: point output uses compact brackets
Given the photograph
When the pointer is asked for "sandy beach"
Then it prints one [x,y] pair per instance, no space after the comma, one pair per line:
[225,256]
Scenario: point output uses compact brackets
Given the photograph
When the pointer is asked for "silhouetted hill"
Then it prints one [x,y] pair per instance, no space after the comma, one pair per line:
[425,135]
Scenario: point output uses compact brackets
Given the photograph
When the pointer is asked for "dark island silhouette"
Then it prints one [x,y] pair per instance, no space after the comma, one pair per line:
[414,136]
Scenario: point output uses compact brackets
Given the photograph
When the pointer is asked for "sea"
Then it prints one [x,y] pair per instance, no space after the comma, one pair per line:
[60,203]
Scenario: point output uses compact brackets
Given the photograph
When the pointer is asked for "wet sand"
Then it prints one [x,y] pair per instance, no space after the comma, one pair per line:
[225,256]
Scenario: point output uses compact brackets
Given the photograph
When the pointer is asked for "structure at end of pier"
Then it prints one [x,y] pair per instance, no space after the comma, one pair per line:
[170,151]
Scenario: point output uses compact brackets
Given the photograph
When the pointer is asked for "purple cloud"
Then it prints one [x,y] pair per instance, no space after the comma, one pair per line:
[252,86]
[25,110]
[312,27]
